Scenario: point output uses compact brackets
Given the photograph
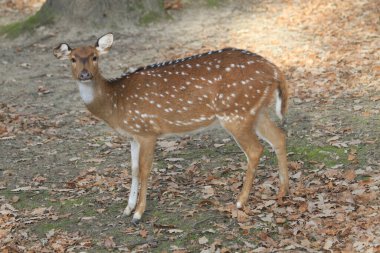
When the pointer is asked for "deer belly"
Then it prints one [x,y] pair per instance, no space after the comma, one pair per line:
[191,125]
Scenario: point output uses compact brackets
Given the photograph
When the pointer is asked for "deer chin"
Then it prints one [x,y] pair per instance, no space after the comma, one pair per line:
[86,91]
[85,81]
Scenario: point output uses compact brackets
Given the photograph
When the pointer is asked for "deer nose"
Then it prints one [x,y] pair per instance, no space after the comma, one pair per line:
[85,75]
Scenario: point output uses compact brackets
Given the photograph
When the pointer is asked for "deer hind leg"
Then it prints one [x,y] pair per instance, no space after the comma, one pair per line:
[135,149]
[146,153]
[268,131]
[249,143]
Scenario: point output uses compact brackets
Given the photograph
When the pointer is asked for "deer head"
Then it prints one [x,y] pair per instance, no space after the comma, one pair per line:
[84,60]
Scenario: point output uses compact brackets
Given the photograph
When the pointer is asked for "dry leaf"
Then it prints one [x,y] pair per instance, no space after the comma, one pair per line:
[334,138]
[15,199]
[208,191]
[143,233]
[172,4]
[280,220]
[173,230]
[328,244]
[174,159]
[39,211]
[50,233]
[349,175]
[109,243]
[3,233]
[295,165]
[303,207]
[203,240]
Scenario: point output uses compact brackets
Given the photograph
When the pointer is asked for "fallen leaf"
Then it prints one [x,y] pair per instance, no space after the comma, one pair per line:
[87,218]
[43,90]
[143,233]
[267,217]
[210,230]
[15,199]
[359,191]
[303,207]
[3,233]
[109,243]
[168,145]
[174,230]
[295,165]
[50,233]
[349,175]
[39,179]
[73,159]
[172,4]
[203,240]
[173,159]
[38,211]
[246,227]
[334,138]
[208,191]
[297,175]
[328,244]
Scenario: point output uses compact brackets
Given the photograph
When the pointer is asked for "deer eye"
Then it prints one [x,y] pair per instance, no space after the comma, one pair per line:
[73,60]
[94,58]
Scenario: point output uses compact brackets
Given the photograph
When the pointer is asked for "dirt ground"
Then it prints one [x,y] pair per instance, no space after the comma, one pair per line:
[64,175]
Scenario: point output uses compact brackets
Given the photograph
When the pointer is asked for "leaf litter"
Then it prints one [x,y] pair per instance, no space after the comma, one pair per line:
[330,207]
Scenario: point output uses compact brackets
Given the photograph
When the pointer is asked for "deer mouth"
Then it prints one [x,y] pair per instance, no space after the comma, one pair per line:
[85,79]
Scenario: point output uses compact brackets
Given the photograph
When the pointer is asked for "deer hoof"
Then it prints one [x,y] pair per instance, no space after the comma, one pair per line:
[127,211]
[135,222]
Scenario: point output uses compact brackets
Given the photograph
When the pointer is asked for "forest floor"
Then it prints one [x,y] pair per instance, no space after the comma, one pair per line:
[65,175]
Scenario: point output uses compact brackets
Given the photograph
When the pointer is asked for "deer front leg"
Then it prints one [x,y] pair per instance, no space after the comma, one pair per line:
[146,153]
[134,191]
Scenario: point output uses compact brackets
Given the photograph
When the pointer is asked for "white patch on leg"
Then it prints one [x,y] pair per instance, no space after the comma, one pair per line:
[135,150]
[239,205]
[86,90]
[278,104]
[265,139]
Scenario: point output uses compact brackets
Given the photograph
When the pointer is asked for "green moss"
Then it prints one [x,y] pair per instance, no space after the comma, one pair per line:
[149,17]
[364,152]
[213,3]
[30,200]
[363,178]
[43,227]
[15,29]
[328,155]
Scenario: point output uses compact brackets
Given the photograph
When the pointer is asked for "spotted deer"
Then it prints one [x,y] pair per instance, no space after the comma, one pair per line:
[230,86]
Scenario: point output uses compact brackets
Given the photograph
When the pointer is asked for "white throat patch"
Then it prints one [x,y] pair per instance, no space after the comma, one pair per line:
[86,91]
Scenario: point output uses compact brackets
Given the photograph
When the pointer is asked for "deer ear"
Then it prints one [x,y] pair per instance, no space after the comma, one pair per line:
[104,43]
[62,52]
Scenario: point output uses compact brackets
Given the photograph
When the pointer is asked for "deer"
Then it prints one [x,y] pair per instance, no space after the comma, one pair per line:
[230,87]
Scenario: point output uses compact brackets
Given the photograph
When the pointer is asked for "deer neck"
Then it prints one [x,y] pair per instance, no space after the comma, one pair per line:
[93,93]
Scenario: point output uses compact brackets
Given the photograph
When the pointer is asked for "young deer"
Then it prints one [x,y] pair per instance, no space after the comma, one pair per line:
[230,86]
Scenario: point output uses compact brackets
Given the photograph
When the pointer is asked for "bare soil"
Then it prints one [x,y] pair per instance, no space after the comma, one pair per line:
[64,175]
